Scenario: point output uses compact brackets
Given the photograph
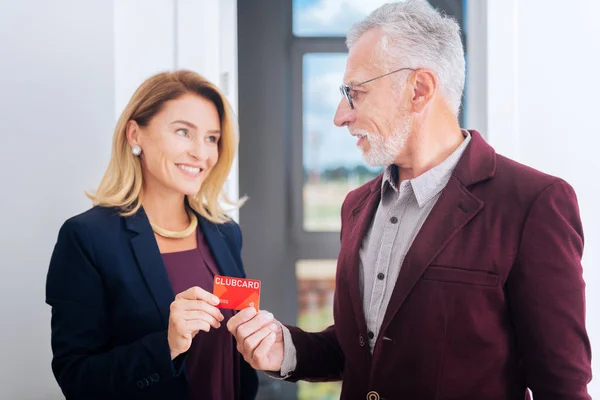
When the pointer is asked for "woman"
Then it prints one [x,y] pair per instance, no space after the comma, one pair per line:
[156,230]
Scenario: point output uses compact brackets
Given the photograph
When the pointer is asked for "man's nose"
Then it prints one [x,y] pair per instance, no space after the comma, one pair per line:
[344,115]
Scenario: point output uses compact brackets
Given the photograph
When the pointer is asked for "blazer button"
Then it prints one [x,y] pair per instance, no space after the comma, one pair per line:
[372,395]
[361,340]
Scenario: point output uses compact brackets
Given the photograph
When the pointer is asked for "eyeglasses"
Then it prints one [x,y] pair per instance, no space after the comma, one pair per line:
[345,89]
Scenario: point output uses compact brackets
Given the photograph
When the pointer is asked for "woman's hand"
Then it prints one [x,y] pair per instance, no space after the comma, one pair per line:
[192,311]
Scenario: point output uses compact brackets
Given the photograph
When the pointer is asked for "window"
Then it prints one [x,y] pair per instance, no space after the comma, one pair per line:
[332,164]
[330,17]
[324,162]
[316,285]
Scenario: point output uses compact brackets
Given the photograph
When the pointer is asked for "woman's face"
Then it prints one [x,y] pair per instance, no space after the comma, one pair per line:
[179,145]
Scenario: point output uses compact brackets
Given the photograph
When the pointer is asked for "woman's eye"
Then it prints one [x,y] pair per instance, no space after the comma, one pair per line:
[212,139]
[182,132]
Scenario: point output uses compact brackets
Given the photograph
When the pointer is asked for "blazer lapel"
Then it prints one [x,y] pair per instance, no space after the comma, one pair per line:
[216,240]
[453,210]
[360,220]
[150,262]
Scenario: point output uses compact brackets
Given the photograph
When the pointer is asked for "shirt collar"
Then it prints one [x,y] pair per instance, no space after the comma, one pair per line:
[427,185]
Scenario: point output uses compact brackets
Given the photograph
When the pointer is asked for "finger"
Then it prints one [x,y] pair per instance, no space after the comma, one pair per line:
[185,328]
[248,328]
[211,320]
[240,318]
[198,315]
[260,355]
[196,325]
[252,341]
[199,305]
[197,293]
[189,315]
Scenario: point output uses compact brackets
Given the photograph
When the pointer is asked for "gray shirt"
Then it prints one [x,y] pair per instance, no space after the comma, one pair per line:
[399,217]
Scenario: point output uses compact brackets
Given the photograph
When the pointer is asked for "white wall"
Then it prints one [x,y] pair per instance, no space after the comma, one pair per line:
[558,131]
[541,91]
[67,69]
[56,115]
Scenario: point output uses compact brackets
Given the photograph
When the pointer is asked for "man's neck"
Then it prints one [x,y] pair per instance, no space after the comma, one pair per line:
[427,148]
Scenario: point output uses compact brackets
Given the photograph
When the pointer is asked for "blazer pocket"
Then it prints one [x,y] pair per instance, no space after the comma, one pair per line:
[440,273]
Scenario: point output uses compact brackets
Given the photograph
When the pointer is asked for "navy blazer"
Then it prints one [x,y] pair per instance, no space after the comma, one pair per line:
[110,296]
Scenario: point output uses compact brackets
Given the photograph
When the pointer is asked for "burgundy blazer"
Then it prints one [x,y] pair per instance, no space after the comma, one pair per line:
[489,300]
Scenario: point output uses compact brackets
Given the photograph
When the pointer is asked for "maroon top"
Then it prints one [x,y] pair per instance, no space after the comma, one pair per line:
[212,364]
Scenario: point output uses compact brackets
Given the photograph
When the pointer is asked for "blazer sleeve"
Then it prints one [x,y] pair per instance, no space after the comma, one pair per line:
[84,363]
[546,294]
[319,355]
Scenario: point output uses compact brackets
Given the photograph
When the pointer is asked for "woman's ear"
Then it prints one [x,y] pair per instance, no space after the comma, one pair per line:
[132,132]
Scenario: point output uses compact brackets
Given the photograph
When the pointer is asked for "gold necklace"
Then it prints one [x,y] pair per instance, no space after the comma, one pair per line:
[177,235]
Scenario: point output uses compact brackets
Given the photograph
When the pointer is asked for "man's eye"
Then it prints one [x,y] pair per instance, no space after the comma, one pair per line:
[355,93]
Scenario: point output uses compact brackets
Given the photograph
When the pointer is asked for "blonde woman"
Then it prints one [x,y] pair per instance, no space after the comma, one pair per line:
[130,279]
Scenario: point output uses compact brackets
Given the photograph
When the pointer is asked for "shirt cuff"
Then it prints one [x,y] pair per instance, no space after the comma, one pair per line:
[288,365]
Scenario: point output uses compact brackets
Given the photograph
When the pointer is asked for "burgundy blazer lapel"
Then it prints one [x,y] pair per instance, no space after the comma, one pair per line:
[453,210]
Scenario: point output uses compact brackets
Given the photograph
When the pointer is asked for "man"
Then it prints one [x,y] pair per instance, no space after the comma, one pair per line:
[459,275]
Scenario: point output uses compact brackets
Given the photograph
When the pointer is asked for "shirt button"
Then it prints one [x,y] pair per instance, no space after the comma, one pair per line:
[361,340]
[380,276]
[371,335]
[394,220]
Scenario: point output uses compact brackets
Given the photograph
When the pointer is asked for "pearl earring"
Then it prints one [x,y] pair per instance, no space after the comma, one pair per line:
[136,150]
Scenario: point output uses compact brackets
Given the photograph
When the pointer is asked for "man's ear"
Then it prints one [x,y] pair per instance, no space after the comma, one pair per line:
[425,83]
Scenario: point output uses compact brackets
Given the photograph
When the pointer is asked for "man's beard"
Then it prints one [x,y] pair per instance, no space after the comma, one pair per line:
[384,150]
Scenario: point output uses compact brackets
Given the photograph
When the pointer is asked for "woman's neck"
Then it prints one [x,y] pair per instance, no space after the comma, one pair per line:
[167,211]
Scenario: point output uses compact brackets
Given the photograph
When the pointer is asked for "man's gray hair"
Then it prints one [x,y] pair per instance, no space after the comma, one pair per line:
[417,36]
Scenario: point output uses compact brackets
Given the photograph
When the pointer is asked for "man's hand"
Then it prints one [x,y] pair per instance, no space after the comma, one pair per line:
[259,338]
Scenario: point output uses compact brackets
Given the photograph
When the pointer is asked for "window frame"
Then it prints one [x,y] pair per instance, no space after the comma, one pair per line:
[308,244]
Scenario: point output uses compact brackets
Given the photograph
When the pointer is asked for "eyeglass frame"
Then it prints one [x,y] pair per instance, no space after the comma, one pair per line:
[345,89]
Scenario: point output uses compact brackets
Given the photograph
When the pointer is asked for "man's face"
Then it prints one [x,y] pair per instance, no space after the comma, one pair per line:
[380,119]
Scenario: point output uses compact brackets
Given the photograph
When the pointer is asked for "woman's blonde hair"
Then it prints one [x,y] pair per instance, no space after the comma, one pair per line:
[121,186]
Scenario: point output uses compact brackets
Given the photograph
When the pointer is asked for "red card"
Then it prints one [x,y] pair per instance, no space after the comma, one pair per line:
[237,293]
